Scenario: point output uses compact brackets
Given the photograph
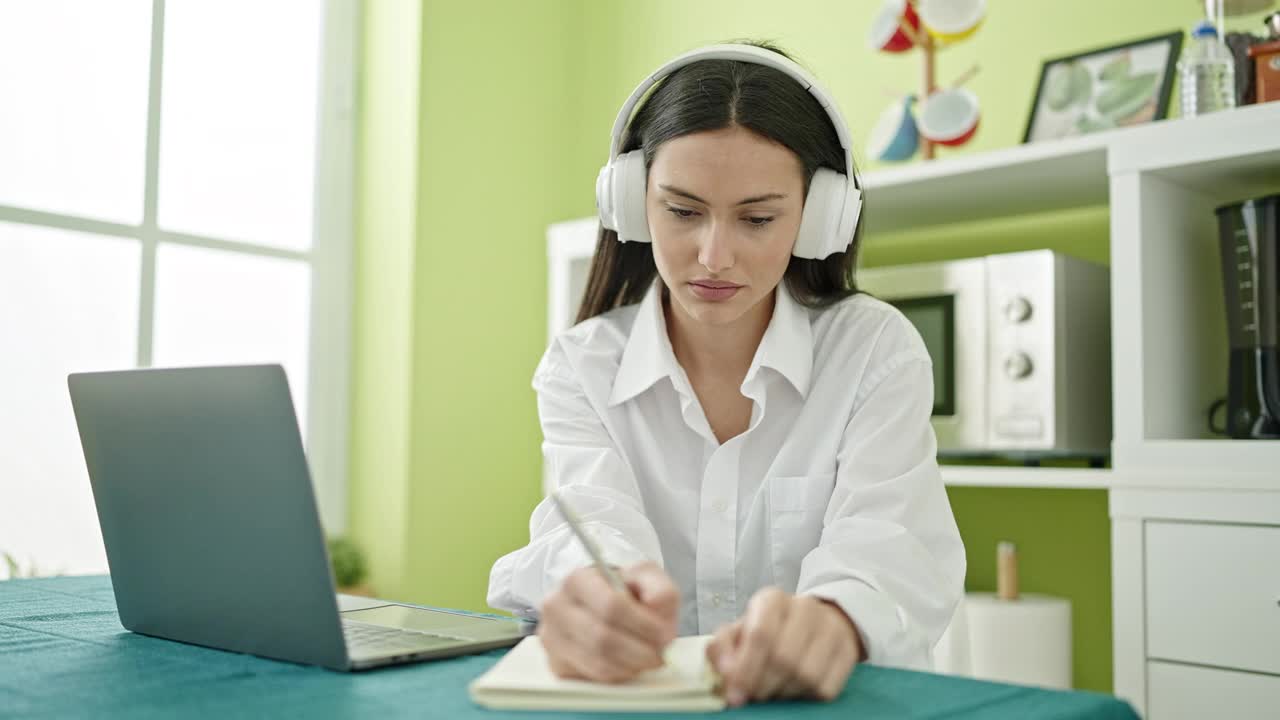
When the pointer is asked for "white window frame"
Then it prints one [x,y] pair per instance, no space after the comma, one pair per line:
[330,257]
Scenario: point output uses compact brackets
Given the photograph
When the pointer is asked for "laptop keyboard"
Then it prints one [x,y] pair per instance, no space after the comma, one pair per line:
[367,637]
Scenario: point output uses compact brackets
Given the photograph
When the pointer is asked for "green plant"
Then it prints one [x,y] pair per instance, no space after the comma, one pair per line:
[349,566]
[14,570]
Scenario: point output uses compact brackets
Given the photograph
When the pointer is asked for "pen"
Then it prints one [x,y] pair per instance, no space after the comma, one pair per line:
[596,557]
[575,523]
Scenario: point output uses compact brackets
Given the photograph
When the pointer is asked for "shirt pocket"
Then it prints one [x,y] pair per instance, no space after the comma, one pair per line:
[796,506]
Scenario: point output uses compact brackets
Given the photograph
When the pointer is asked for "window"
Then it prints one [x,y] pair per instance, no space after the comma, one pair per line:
[175,189]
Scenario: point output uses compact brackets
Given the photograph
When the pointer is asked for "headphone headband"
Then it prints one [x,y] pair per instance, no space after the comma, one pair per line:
[742,53]
[833,201]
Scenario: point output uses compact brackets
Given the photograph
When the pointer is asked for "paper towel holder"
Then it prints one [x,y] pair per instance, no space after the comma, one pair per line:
[1006,570]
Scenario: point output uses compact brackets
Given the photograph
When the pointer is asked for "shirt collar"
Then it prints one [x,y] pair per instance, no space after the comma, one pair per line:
[648,356]
[787,347]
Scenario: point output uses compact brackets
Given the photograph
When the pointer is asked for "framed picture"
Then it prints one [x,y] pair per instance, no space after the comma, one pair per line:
[1110,87]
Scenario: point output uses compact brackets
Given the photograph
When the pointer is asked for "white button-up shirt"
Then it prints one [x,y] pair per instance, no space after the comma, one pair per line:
[832,491]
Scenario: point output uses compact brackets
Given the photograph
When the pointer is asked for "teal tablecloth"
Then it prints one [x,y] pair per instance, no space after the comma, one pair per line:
[63,653]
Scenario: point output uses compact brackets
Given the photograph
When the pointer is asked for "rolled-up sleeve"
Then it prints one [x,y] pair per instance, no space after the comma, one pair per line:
[890,554]
[589,472]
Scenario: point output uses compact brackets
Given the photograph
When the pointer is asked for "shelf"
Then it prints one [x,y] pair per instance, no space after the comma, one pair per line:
[1187,465]
[1225,156]
[1230,155]
[1235,463]
[1026,477]
[1221,158]
[1053,175]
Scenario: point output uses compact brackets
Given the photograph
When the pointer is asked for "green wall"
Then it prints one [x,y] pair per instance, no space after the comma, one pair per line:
[466,124]
[482,121]
[386,233]
[498,81]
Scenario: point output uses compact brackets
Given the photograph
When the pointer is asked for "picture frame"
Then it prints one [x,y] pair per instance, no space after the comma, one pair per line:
[1109,87]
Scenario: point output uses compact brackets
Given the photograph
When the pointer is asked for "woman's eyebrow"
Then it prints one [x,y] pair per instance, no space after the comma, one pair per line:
[758,198]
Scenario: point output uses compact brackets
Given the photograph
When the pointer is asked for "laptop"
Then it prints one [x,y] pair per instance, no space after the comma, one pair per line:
[211,530]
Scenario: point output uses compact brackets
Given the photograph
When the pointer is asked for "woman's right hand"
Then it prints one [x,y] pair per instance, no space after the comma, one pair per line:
[592,632]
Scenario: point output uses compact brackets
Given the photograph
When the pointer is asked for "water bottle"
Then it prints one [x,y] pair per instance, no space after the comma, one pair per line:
[1207,73]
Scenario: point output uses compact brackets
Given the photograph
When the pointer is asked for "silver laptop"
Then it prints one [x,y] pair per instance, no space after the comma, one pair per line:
[211,529]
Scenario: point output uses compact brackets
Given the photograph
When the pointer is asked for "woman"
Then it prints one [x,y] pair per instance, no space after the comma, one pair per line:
[744,434]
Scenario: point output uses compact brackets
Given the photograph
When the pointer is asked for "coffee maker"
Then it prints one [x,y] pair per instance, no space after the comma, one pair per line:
[1249,234]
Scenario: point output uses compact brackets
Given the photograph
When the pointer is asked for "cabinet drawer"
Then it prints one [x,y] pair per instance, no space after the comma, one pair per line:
[1184,692]
[1213,594]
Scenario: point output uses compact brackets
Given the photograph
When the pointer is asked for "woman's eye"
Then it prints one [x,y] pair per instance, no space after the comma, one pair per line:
[685,214]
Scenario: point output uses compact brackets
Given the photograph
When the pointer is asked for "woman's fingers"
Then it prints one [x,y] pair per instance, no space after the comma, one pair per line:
[766,613]
[588,647]
[822,670]
[798,642]
[812,668]
[838,672]
[723,645]
[619,611]
[558,649]
[655,589]
[785,646]
[562,652]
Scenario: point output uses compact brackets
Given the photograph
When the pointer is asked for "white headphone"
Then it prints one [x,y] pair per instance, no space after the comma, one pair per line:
[830,210]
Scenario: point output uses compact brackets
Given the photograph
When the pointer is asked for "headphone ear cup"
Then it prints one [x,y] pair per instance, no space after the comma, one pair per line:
[822,218]
[604,197]
[629,183]
[849,219]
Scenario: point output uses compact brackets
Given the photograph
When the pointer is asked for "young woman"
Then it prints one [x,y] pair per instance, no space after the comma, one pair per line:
[743,433]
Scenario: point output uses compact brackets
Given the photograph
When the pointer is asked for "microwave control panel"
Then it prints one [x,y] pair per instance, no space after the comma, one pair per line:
[1020,336]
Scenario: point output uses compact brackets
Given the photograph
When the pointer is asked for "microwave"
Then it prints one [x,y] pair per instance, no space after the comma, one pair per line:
[1021,350]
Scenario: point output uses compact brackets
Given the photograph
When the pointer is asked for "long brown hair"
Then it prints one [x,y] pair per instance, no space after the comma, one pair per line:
[713,95]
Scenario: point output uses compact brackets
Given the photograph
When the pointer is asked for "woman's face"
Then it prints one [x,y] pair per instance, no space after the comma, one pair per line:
[724,210]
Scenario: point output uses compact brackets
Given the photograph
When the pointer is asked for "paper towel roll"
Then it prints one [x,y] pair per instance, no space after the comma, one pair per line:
[1026,641]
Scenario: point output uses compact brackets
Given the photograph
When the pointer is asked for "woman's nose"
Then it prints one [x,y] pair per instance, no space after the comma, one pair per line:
[716,250]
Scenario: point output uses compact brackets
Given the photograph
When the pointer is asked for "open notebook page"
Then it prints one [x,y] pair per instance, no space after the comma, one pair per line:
[522,680]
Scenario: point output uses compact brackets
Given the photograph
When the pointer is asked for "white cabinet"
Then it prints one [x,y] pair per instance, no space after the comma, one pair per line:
[1196,598]
[1214,594]
[1184,692]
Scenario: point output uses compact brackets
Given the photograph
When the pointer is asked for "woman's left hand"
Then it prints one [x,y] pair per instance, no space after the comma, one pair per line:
[786,646]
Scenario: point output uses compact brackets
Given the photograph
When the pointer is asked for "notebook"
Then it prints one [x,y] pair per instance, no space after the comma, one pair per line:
[522,680]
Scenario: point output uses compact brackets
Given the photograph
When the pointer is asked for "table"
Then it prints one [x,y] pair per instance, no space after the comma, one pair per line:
[63,653]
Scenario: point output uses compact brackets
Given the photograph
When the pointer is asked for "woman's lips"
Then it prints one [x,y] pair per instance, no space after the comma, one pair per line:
[714,290]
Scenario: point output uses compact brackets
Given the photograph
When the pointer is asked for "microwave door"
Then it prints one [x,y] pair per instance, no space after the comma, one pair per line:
[946,302]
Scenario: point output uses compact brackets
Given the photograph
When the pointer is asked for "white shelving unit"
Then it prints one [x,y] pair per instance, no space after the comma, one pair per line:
[1195,515]
[1173,487]
[1171,483]
[570,246]
[1027,477]
[1169,336]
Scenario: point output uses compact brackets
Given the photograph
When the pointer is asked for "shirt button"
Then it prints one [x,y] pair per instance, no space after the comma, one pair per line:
[715,600]
[719,506]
